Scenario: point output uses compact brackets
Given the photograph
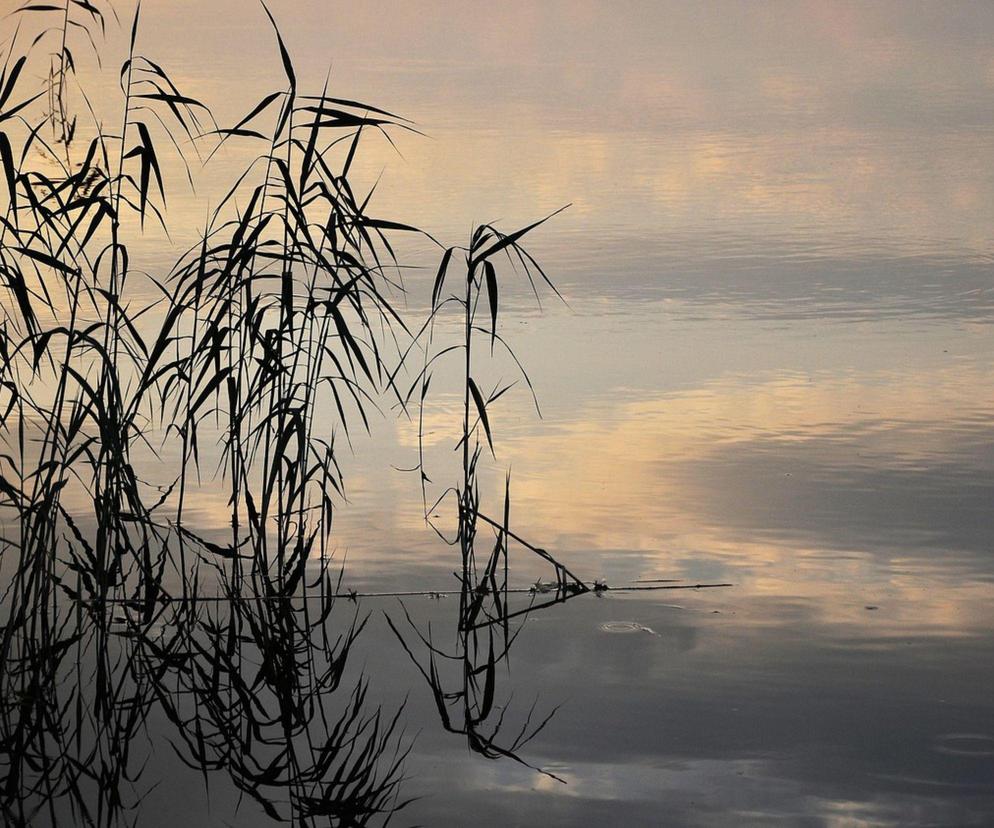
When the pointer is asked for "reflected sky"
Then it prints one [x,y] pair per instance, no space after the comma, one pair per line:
[781,131]
[776,369]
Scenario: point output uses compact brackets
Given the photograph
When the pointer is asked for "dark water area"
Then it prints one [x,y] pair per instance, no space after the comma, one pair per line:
[773,371]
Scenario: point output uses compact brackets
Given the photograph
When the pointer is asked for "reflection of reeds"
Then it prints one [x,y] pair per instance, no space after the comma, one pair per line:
[276,330]
[251,690]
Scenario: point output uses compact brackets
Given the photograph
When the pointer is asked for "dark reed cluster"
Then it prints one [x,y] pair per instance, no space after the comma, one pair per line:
[271,335]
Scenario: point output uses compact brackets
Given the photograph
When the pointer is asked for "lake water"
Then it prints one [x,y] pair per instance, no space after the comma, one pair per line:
[775,370]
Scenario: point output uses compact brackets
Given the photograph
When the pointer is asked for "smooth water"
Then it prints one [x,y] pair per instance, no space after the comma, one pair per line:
[775,370]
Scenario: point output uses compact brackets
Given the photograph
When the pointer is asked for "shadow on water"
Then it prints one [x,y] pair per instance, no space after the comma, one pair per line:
[123,623]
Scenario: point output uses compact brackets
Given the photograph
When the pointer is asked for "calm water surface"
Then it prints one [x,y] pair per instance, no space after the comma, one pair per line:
[776,370]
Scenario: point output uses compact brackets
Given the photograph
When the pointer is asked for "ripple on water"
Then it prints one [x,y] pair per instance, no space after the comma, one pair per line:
[979,745]
[625,627]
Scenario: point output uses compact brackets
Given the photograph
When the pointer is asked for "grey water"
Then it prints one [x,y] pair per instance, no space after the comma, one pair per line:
[774,369]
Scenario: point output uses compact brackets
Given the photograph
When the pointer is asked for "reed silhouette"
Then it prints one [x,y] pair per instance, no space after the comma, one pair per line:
[117,609]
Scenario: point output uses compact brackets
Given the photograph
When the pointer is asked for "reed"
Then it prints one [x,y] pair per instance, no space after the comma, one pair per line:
[281,312]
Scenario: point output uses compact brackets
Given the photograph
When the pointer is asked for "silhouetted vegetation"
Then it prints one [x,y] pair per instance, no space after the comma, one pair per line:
[282,313]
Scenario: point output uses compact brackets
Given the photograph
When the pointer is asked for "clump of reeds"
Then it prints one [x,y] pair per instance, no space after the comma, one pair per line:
[281,303]
[281,313]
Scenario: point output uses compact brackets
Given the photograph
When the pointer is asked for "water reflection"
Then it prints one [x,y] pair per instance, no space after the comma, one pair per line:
[776,372]
[770,732]
[253,687]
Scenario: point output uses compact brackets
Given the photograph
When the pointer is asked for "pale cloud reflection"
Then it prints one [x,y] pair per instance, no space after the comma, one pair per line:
[812,121]
[621,481]
[623,478]
[632,443]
